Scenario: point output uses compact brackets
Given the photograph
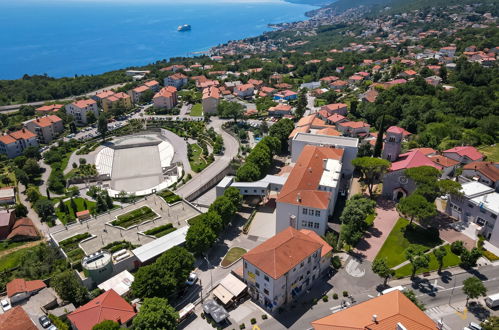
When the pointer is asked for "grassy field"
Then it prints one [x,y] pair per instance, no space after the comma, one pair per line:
[450,260]
[197,162]
[232,255]
[197,110]
[11,260]
[400,238]
[161,230]
[71,215]
[135,217]
[6,245]
[492,152]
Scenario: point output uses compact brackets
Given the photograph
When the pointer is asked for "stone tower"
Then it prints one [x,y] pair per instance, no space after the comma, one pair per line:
[392,143]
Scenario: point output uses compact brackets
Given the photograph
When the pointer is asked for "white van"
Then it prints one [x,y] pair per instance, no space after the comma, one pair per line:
[400,288]
[492,301]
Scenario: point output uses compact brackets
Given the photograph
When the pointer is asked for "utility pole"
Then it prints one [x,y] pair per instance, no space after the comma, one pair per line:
[211,272]
[453,287]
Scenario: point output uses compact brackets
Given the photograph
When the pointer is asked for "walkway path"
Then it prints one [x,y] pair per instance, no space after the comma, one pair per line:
[372,242]
[20,247]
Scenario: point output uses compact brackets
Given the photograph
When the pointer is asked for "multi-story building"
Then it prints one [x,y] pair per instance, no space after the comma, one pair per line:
[137,92]
[177,80]
[211,99]
[339,108]
[80,111]
[117,100]
[464,154]
[477,204]
[308,197]
[353,128]
[46,128]
[166,98]
[285,266]
[244,91]
[13,144]
[484,172]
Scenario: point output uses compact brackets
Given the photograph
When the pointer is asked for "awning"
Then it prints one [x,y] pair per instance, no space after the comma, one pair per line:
[223,294]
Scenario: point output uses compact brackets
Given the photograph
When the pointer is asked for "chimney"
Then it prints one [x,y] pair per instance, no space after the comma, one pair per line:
[298,198]
[375,318]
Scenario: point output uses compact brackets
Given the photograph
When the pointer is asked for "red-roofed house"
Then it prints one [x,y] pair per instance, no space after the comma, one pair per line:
[353,128]
[46,128]
[16,319]
[485,172]
[286,95]
[107,306]
[284,267]
[408,74]
[137,92]
[166,98]
[49,108]
[244,91]
[464,155]
[18,289]
[23,230]
[117,100]
[336,119]
[80,110]
[211,99]
[177,80]
[280,110]
[309,195]
[13,144]
[448,165]
[339,108]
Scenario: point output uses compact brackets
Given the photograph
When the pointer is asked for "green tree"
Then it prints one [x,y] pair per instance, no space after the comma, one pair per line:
[281,130]
[146,96]
[73,205]
[31,168]
[412,297]
[492,323]
[469,258]
[200,238]
[224,207]
[107,325]
[21,210]
[213,221]
[417,258]
[69,288]
[102,126]
[233,194]
[62,207]
[440,254]
[32,194]
[91,119]
[301,104]
[372,170]
[108,200]
[44,208]
[416,207]
[380,268]
[156,313]
[378,146]
[232,110]
[248,172]
[272,142]
[473,288]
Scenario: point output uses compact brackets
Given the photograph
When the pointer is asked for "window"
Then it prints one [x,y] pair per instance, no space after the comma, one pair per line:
[266,291]
[316,225]
[470,205]
[257,285]
[303,223]
[310,224]
[317,213]
[493,216]
[305,211]
[245,190]
[257,272]
[266,278]
[254,190]
[480,221]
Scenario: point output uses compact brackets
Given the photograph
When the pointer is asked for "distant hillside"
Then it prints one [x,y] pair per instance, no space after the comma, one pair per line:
[313,2]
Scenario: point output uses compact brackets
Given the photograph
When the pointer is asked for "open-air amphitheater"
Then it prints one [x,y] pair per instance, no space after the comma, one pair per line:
[139,164]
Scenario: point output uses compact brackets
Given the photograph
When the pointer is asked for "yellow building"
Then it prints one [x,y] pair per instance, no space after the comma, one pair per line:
[117,100]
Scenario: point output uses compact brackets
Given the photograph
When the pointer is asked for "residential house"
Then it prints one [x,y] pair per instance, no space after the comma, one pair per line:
[448,165]
[339,108]
[13,144]
[16,319]
[7,219]
[153,85]
[267,91]
[210,100]
[336,119]
[355,79]
[117,101]
[46,128]
[339,85]
[244,91]
[137,93]
[464,155]
[408,74]
[7,195]
[353,128]
[230,85]
[433,80]
[256,83]
[49,108]
[478,204]
[177,80]
[280,110]
[483,172]
[98,97]
[108,306]
[448,51]
[23,230]
[309,195]
[284,267]
[18,289]
[286,95]
[80,111]
[389,311]
[166,98]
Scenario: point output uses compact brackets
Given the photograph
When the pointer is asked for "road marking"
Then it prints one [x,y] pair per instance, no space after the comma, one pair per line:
[463,315]
[436,286]
[370,296]
[256,327]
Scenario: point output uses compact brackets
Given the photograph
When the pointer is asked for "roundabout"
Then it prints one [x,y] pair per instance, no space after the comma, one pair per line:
[138,164]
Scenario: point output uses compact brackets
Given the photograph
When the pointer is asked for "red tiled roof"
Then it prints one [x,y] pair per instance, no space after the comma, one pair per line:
[280,253]
[50,107]
[19,285]
[84,103]
[398,130]
[328,131]
[326,248]
[281,107]
[354,124]
[334,106]
[425,151]
[488,169]
[23,227]
[16,319]
[468,151]
[141,89]
[413,159]
[301,185]
[107,306]
[23,134]
[307,120]
[151,83]
[211,92]
[7,139]
[46,121]
[104,94]
[301,129]
[336,118]
[81,213]
[443,161]
[390,309]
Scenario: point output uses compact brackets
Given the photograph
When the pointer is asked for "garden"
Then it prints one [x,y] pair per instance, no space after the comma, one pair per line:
[119,245]
[449,260]
[197,110]
[196,157]
[134,217]
[67,213]
[169,196]
[71,247]
[161,230]
[233,255]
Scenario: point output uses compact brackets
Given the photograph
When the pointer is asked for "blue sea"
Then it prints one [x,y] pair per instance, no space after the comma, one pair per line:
[64,38]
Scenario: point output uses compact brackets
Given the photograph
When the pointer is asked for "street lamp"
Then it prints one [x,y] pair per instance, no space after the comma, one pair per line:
[211,274]
[452,292]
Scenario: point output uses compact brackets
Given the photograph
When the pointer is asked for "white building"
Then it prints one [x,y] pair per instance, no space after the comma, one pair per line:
[285,266]
[81,109]
[309,195]
[13,144]
[348,144]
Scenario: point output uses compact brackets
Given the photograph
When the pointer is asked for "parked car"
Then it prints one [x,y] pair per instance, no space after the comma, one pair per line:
[5,305]
[44,321]
[193,277]
[492,301]
[52,327]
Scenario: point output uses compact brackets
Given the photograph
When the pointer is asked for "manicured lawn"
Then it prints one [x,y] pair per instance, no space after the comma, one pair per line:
[135,217]
[401,237]
[197,162]
[450,260]
[492,152]
[161,230]
[232,255]
[197,110]
[71,215]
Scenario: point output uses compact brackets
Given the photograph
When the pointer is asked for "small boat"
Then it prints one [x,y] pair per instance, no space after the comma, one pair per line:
[185,27]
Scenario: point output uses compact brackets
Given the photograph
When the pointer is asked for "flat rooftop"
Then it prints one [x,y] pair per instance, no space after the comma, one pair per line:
[327,139]
[475,188]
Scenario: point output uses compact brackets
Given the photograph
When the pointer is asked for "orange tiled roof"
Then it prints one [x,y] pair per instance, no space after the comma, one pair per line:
[16,319]
[50,107]
[334,106]
[141,89]
[488,169]
[329,131]
[326,248]
[301,186]
[390,309]
[19,285]
[84,103]
[7,139]
[443,161]
[46,120]
[23,134]
[151,83]
[104,94]
[280,253]
[23,227]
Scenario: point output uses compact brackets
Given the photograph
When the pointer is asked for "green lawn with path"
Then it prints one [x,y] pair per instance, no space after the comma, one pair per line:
[135,217]
[71,215]
[197,110]
[450,260]
[232,256]
[11,260]
[401,237]
[197,162]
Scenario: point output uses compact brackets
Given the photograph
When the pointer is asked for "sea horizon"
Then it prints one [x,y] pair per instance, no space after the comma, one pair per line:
[83,37]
